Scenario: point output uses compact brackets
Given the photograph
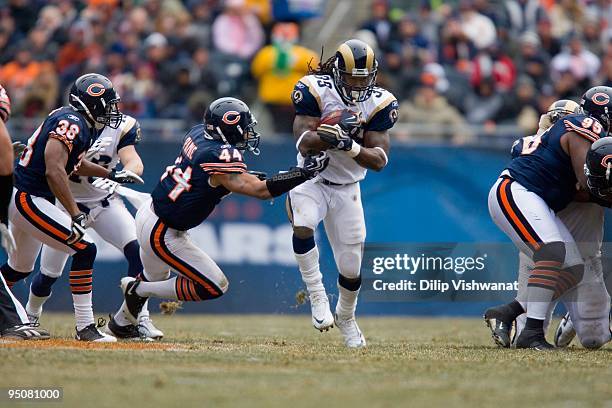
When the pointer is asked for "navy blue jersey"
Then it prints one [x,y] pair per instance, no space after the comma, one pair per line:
[541,165]
[63,124]
[184,198]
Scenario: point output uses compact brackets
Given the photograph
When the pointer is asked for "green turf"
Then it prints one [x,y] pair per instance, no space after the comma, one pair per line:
[280,361]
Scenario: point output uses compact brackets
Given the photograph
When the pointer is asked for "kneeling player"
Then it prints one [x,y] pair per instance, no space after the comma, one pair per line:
[208,168]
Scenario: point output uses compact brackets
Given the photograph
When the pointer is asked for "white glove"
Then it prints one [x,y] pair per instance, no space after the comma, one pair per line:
[98,145]
[80,223]
[8,242]
[125,177]
[105,184]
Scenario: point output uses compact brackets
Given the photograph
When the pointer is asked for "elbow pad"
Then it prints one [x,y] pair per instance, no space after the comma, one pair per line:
[280,183]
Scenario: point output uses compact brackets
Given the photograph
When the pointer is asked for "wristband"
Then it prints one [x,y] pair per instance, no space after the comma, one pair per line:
[297,144]
[355,150]
[384,154]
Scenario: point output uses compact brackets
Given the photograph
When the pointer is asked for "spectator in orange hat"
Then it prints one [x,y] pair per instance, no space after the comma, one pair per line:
[277,67]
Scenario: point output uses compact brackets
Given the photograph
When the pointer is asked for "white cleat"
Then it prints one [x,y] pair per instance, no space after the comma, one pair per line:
[322,318]
[147,329]
[565,332]
[353,338]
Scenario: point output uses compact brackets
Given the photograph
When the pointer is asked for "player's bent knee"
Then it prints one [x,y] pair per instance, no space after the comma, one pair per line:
[594,343]
[50,273]
[84,258]
[303,232]
[552,251]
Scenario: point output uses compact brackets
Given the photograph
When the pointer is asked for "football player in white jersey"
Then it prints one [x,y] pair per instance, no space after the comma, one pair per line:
[110,218]
[360,141]
[589,303]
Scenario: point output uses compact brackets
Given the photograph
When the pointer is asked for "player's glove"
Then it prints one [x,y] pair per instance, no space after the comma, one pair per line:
[125,177]
[18,148]
[98,145]
[313,165]
[335,136]
[5,105]
[7,240]
[80,223]
[259,174]
[350,123]
[105,184]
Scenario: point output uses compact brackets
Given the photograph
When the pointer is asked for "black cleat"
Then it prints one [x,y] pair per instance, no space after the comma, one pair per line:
[91,333]
[499,319]
[26,332]
[129,332]
[133,301]
[533,339]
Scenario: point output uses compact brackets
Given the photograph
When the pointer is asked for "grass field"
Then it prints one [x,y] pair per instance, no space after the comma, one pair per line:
[280,361]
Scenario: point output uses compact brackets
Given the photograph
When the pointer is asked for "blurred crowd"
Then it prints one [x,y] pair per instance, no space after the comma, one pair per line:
[482,62]
[167,58]
[455,63]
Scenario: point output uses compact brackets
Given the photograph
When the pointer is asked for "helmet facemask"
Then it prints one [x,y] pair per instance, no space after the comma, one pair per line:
[251,138]
[355,86]
[112,116]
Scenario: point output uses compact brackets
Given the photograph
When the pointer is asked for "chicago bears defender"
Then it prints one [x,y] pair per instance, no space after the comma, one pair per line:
[55,150]
[108,216]
[209,167]
[584,220]
[524,201]
[347,81]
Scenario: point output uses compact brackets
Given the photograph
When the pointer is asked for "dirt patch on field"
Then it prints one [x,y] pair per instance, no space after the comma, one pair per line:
[81,345]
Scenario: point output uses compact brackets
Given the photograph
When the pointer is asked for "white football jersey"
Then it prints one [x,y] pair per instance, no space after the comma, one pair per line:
[316,95]
[128,133]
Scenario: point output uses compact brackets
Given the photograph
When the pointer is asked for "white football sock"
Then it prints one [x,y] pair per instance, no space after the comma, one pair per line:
[161,289]
[347,303]
[83,310]
[308,264]
[35,304]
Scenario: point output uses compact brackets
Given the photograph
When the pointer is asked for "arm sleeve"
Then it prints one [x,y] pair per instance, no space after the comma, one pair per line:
[584,126]
[67,130]
[131,137]
[385,118]
[304,101]
[223,160]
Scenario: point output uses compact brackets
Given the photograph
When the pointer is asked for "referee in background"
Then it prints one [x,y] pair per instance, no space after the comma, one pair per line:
[14,323]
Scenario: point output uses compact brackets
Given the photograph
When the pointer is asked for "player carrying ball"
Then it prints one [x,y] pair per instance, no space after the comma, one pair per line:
[208,168]
[359,141]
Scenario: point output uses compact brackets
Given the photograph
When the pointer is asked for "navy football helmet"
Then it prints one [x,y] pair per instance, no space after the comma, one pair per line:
[598,167]
[597,102]
[355,71]
[231,120]
[93,95]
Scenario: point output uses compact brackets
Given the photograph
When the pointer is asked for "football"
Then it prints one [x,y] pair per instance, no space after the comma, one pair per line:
[334,117]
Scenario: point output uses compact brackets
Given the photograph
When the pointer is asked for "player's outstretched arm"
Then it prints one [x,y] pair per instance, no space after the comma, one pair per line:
[279,184]
[243,183]
[373,154]
[56,157]
[305,132]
